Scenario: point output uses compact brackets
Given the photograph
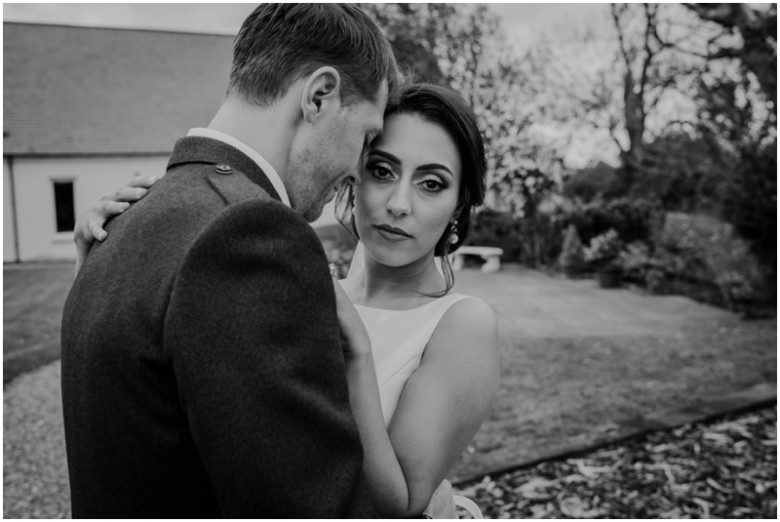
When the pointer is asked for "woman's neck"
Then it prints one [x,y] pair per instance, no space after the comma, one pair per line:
[398,287]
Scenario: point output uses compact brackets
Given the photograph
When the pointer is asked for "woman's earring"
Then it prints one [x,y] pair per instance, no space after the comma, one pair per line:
[454,237]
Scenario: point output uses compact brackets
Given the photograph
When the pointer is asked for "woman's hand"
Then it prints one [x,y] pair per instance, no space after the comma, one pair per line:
[353,331]
[89,225]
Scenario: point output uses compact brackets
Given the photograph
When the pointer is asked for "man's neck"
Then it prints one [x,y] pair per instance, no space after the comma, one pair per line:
[267,130]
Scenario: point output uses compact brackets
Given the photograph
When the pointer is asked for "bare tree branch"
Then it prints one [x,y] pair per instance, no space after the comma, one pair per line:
[649,54]
[621,41]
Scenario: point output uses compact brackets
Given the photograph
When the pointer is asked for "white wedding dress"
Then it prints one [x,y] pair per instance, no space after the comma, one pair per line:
[398,341]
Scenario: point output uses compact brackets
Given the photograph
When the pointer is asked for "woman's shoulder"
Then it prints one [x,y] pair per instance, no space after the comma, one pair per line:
[465,343]
[468,311]
[468,321]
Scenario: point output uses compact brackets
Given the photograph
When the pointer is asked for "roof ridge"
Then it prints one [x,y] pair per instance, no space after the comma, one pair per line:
[126,29]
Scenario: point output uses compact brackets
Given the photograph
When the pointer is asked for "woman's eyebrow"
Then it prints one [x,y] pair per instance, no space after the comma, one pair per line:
[385,155]
[428,166]
[436,166]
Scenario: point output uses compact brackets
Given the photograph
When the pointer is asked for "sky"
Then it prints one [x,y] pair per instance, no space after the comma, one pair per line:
[521,21]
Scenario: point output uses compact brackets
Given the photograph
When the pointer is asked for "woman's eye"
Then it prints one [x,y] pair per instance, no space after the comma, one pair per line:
[432,185]
[380,172]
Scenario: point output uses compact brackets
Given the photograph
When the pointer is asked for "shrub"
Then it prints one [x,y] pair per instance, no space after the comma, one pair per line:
[632,219]
[604,249]
[751,206]
[636,262]
[572,258]
[496,229]
[540,239]
[530,239]
[701,249]
[591,182]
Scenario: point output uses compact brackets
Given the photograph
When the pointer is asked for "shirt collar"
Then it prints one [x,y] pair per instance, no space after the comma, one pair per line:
[255,156]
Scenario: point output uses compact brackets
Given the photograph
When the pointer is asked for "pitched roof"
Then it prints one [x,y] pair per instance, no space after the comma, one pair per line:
[82,90]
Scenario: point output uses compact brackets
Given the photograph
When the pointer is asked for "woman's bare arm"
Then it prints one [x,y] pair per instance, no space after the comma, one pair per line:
[447,399]
[442,406]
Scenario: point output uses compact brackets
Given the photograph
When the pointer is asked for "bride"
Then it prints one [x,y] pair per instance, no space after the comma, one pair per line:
[422,362]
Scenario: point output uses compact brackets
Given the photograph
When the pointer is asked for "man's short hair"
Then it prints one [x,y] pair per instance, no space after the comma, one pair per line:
[280,43]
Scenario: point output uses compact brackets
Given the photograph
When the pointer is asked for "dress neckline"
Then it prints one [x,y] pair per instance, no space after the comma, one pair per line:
[436,300]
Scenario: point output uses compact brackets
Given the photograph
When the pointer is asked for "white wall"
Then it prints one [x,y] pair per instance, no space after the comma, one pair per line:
[92,177]
[9,243]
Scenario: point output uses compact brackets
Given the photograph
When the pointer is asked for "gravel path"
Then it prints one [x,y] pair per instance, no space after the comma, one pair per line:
[35,483]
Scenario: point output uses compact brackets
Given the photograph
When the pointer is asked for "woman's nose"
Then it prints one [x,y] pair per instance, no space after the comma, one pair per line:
[399,204]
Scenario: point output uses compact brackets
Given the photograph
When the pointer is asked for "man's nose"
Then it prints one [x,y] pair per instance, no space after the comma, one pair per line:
[355,178]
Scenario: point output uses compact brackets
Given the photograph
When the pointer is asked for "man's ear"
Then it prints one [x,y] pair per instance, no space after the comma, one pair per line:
[321,93]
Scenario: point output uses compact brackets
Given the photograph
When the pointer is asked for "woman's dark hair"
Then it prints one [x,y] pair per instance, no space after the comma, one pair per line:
[444,107]
[281,43]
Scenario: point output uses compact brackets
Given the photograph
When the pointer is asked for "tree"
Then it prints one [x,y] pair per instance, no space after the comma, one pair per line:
[757,51]
[619,84]
[649,37]
[414,31]
[738,117]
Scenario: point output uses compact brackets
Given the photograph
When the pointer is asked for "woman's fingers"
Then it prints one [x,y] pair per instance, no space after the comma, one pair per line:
[352,328]
[95,230]
[84,234]
[89,224]
[126,193]
[143,181]
[107,209]
[98,216]
[135,189]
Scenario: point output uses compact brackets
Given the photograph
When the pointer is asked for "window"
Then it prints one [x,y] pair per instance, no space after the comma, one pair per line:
[63,206]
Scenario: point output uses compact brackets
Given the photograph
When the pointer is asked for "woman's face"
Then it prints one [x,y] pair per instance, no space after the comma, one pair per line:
[409,190]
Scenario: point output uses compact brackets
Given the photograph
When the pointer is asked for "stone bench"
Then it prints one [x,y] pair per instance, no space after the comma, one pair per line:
[491,255]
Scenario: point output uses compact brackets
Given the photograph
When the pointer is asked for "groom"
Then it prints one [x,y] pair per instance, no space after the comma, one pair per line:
[202,371]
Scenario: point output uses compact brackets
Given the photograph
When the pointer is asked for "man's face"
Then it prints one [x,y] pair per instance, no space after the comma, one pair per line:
[333,154]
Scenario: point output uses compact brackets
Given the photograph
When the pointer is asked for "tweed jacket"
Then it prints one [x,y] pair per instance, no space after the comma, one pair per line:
[202,368]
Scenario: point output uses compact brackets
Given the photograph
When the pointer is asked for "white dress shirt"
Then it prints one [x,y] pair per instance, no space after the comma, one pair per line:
[255,156]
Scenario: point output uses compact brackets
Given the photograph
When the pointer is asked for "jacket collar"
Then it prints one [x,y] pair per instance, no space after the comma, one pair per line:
[196,149]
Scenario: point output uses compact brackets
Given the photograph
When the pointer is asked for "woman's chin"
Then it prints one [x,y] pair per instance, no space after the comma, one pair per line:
[387,255]
[391,257]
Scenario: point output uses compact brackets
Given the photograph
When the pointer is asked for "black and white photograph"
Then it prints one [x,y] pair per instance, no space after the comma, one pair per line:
[390,260]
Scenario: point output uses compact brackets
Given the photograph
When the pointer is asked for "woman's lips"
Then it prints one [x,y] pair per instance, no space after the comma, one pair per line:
[392,233]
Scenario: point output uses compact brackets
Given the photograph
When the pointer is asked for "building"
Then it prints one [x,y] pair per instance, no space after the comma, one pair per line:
[85,110]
